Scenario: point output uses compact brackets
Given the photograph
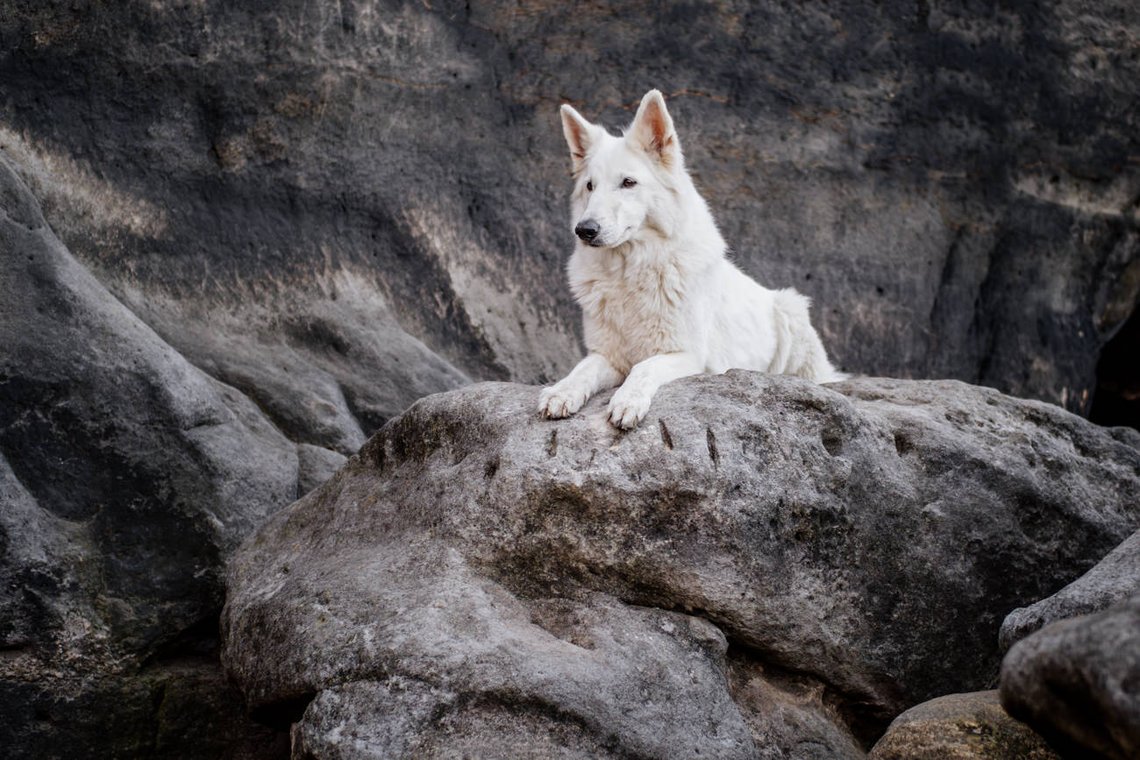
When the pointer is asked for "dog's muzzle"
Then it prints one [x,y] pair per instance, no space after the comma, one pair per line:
[587,231]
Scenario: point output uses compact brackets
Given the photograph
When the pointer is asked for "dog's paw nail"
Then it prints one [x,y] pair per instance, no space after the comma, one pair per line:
[626,412]
[555,405]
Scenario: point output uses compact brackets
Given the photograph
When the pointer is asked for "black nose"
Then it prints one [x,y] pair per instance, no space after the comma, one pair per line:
[587,230]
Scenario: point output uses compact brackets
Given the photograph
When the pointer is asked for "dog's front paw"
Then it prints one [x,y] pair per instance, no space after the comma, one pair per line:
[628,407]
[555,402]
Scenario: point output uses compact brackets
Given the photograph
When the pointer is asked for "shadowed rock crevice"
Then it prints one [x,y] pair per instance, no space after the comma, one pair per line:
[1073,663]
[1117,399]
[1075,681]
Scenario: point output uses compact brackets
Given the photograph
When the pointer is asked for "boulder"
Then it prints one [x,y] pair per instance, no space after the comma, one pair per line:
[764,567]
[1076,682]
[127,476]
[1112,580]
[960,727]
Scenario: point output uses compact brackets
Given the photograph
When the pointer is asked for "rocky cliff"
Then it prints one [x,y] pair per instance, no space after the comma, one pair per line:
[337,207]
[127,476]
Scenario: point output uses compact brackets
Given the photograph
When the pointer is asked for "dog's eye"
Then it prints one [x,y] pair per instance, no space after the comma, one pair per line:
[590,186]
[628,182]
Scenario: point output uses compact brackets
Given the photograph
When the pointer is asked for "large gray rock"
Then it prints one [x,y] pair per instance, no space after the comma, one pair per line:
[960,727]
[339,206]
[1076,682]
[763,568]
[1112,580]
[126,478]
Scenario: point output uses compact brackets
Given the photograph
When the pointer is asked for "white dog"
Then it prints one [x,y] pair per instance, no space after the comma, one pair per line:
[659,298]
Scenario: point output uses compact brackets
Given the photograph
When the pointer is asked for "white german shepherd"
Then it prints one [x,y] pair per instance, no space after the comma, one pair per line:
[659,298]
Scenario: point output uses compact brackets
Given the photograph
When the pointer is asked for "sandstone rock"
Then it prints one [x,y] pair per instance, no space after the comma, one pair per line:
[126,478]
[316,465]
[1112,580]
[1076,682]
[172,710]
[960,727]
[564,679]
[763,564]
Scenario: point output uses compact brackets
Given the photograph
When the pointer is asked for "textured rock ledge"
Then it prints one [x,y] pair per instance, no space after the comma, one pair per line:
[764,568]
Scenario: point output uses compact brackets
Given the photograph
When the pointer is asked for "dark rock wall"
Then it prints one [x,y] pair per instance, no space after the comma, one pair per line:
[955,184]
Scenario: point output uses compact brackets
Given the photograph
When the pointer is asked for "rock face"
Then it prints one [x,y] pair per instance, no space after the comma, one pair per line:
[764,568]
[339,206]
[1113,580]
[126,477]
[1075,682]
[960,727]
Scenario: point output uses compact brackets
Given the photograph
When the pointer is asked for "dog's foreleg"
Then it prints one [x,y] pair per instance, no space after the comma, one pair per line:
[593,374]
[631,401]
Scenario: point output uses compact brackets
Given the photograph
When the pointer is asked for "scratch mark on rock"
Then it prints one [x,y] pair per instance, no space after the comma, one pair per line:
[665,437]
[710,441]
[552,444]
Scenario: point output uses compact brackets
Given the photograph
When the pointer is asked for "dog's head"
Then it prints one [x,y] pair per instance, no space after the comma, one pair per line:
[625,188]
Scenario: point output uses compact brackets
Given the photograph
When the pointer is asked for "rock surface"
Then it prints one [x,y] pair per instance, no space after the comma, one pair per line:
[1077,682]
[1112,580]
[126,478]
[765,567]
[960,727]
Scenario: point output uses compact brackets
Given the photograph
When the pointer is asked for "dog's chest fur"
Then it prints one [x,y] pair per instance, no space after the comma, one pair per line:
[633,302]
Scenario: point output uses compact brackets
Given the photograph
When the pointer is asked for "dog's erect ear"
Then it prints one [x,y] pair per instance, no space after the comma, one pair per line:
[652,129]
[580,134]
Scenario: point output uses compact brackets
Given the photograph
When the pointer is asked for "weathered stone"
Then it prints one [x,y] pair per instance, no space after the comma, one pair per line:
[853,546]
[1077,682]
[126,477]
[954,184]
[566,678]
[1112,580]
[960,727]
[179,710]
[316,465]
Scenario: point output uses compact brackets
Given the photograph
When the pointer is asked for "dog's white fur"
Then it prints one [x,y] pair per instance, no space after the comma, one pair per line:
[659,298]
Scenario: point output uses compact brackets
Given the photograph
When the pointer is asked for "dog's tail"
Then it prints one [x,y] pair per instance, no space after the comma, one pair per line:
[799,351]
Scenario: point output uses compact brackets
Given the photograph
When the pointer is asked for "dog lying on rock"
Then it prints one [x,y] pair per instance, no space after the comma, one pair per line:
[660,299]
